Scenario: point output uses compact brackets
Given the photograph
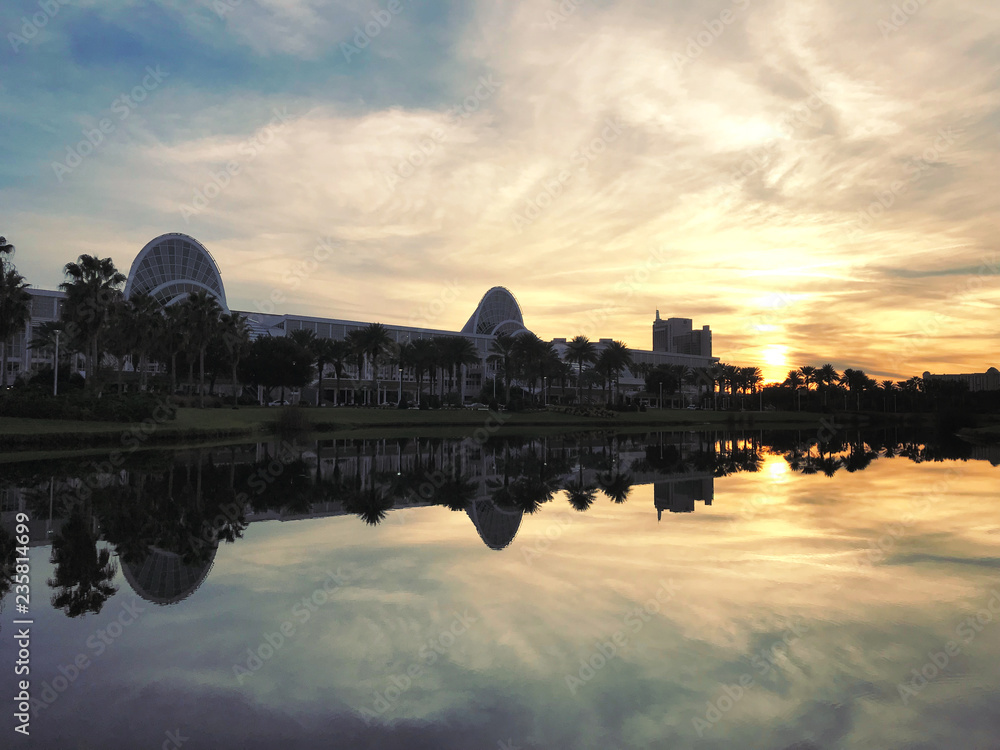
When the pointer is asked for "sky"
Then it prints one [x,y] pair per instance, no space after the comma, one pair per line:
[816,181]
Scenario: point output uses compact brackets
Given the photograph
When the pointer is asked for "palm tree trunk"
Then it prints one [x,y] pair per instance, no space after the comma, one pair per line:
[201,378]
[236,392]
[3,356]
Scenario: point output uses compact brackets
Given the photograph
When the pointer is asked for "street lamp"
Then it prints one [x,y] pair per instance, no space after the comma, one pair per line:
[55,369]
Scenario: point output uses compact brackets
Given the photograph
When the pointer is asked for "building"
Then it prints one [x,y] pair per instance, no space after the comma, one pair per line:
[978,381]
[676,336]
[174,265]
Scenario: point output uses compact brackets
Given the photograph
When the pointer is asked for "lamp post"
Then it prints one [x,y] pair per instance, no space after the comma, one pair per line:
[661,394]
[55,369]
[399,398]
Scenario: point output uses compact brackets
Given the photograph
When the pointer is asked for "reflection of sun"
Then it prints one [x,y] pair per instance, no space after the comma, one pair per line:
[775,359]
[776,468]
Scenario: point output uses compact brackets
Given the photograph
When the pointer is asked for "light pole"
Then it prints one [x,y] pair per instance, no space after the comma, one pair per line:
[399,398]
[55,369]
[661,394]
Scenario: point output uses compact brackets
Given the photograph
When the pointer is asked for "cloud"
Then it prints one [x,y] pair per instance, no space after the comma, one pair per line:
[801,151]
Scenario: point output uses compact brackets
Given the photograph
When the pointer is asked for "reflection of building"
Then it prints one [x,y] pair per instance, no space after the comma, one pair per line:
[977,381]
[164,578]
[497,527]
[679,495]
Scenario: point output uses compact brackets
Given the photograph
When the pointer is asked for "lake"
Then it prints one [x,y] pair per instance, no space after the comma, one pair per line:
[659,590]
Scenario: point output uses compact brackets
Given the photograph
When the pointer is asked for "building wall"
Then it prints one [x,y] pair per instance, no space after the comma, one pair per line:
[978,381]
[678,336]
[46,306]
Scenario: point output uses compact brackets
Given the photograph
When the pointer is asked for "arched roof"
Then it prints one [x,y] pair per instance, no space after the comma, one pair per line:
[172,266]
[164,578]
[497,312]
[496,527]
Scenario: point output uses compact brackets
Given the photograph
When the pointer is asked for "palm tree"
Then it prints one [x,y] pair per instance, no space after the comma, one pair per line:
[375,342]
[201,319]
[338,353]
[172,340]
[355,341]
[580,350]
[236,339]
[794,379]
[808,375]
[94,284]
[502,352]
[15,310]
[828,375]
[460,353]
[619,359]
[145,318]
[5,247]
[324,350]
[422,356]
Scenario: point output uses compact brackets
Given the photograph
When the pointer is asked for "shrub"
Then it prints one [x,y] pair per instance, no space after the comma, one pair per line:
[76,404]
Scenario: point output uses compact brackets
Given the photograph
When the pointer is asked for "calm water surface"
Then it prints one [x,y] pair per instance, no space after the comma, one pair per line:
[655,591]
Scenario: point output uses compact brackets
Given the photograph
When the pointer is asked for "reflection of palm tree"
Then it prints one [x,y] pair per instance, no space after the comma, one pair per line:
[83,573]
[8,553]
[580,496]
[455,493]
[370,504]
[616,486]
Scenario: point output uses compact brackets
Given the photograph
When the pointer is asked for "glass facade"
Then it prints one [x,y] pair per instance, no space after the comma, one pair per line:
[172,266]
[498,312]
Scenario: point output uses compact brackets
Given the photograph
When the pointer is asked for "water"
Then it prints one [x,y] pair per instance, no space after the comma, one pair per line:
[710,591]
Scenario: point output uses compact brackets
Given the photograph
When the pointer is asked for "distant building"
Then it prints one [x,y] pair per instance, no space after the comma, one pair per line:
[978,381]
[174,265]
[677,336]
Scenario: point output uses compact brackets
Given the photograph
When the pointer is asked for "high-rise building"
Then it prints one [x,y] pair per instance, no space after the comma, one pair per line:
[677,336]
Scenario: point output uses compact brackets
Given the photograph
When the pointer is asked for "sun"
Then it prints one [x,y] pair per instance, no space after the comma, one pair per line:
[775,359]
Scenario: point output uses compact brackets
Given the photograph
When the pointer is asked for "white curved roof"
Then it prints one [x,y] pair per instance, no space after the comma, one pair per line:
[172,266]
[497,312]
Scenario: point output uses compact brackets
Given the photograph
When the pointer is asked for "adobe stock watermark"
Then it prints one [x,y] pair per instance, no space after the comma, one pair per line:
[916,170]
[554,186]
[428,654]
[430,313]
[301,613]
[552,532]
[97,644]
[297,273]
[94,138]
[364,34]
[939,661]
[900,16]
[624,291]
[799,114]
[714,28]
[33,24]
[559,16]
[633,621]
[223,178]
[763,661]
[989,267]
[428,144]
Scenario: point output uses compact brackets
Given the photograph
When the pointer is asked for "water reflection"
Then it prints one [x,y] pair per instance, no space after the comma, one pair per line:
[165,515]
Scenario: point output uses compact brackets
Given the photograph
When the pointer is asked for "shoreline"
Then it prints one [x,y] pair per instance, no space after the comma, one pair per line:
[21,435]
